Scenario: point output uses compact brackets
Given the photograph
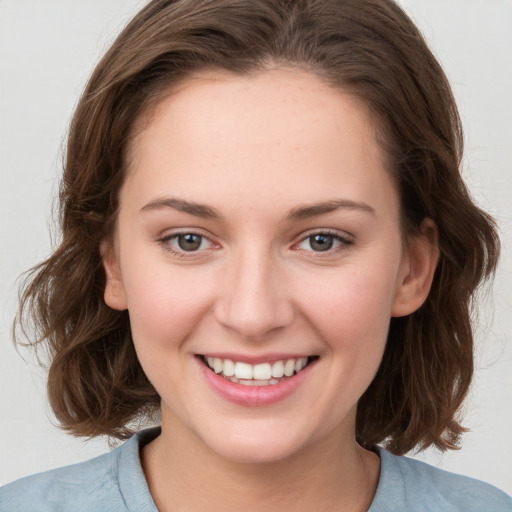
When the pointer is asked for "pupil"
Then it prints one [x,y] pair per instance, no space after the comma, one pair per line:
[321,242]
[189,242]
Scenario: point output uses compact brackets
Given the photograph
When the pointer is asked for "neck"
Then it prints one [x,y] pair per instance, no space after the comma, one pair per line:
[333,474]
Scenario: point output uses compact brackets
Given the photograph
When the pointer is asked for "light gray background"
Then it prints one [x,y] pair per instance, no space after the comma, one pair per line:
[47,50]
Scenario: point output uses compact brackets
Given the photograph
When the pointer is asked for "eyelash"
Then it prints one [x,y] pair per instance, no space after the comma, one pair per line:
[343,241]
[166,242]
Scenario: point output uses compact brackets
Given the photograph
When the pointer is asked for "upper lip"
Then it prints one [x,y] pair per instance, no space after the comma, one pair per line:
[255,359]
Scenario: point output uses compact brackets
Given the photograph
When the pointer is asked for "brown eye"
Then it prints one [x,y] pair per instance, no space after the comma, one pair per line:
[189,242]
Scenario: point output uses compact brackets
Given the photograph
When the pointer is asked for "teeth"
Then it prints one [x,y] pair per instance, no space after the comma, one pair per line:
[289,367]
[256,383]
[218,365]
[300,363]
[270,382]
[265,373]
[243,371]
[262,371]
[278,369]
[229,368]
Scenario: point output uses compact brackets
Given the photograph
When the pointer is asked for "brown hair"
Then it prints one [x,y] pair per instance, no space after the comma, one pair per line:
[369,48]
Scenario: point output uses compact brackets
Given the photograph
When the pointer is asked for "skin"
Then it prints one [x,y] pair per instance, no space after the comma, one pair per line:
[259,151]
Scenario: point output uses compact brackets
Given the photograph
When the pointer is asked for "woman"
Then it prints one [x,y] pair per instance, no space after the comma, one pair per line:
[266,238]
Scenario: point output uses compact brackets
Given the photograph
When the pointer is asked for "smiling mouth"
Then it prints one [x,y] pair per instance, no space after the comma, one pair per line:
[263,374]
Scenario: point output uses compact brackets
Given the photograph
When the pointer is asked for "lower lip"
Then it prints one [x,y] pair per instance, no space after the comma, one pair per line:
[254,396]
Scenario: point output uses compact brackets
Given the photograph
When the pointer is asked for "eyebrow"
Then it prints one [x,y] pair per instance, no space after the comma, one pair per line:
[196,209]
[305,212]
[298,213]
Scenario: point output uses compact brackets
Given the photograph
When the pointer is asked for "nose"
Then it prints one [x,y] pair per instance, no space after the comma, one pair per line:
[253,301]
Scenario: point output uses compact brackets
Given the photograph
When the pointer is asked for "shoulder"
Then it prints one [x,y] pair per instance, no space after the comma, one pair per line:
[102,483]
[81,486]
[63,487]
[408,484]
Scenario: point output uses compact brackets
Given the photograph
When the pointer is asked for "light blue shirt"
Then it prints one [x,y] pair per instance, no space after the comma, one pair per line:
[114,482]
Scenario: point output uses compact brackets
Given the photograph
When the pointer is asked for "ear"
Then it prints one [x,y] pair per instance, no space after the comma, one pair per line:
[114,289]
[417,270]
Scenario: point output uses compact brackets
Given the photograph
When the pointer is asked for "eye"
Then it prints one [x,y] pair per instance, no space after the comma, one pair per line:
[189,241]
[323,242]
[180,243]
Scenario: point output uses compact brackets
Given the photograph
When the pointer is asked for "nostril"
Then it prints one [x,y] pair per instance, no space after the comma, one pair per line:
[254,323]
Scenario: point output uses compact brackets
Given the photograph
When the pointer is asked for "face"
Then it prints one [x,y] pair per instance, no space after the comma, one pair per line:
[259,254]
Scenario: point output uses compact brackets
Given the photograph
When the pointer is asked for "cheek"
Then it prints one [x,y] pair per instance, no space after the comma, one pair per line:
[165,309]
[351,310]
[352,319]
[164,305]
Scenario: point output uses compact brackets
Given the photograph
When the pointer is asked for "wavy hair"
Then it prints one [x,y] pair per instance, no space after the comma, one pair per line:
[369,48]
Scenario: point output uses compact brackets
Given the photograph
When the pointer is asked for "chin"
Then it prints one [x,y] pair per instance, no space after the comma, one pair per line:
[255,451]
[255,447]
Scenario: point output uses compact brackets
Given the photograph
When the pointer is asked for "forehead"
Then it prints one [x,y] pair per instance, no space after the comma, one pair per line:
[278,131]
